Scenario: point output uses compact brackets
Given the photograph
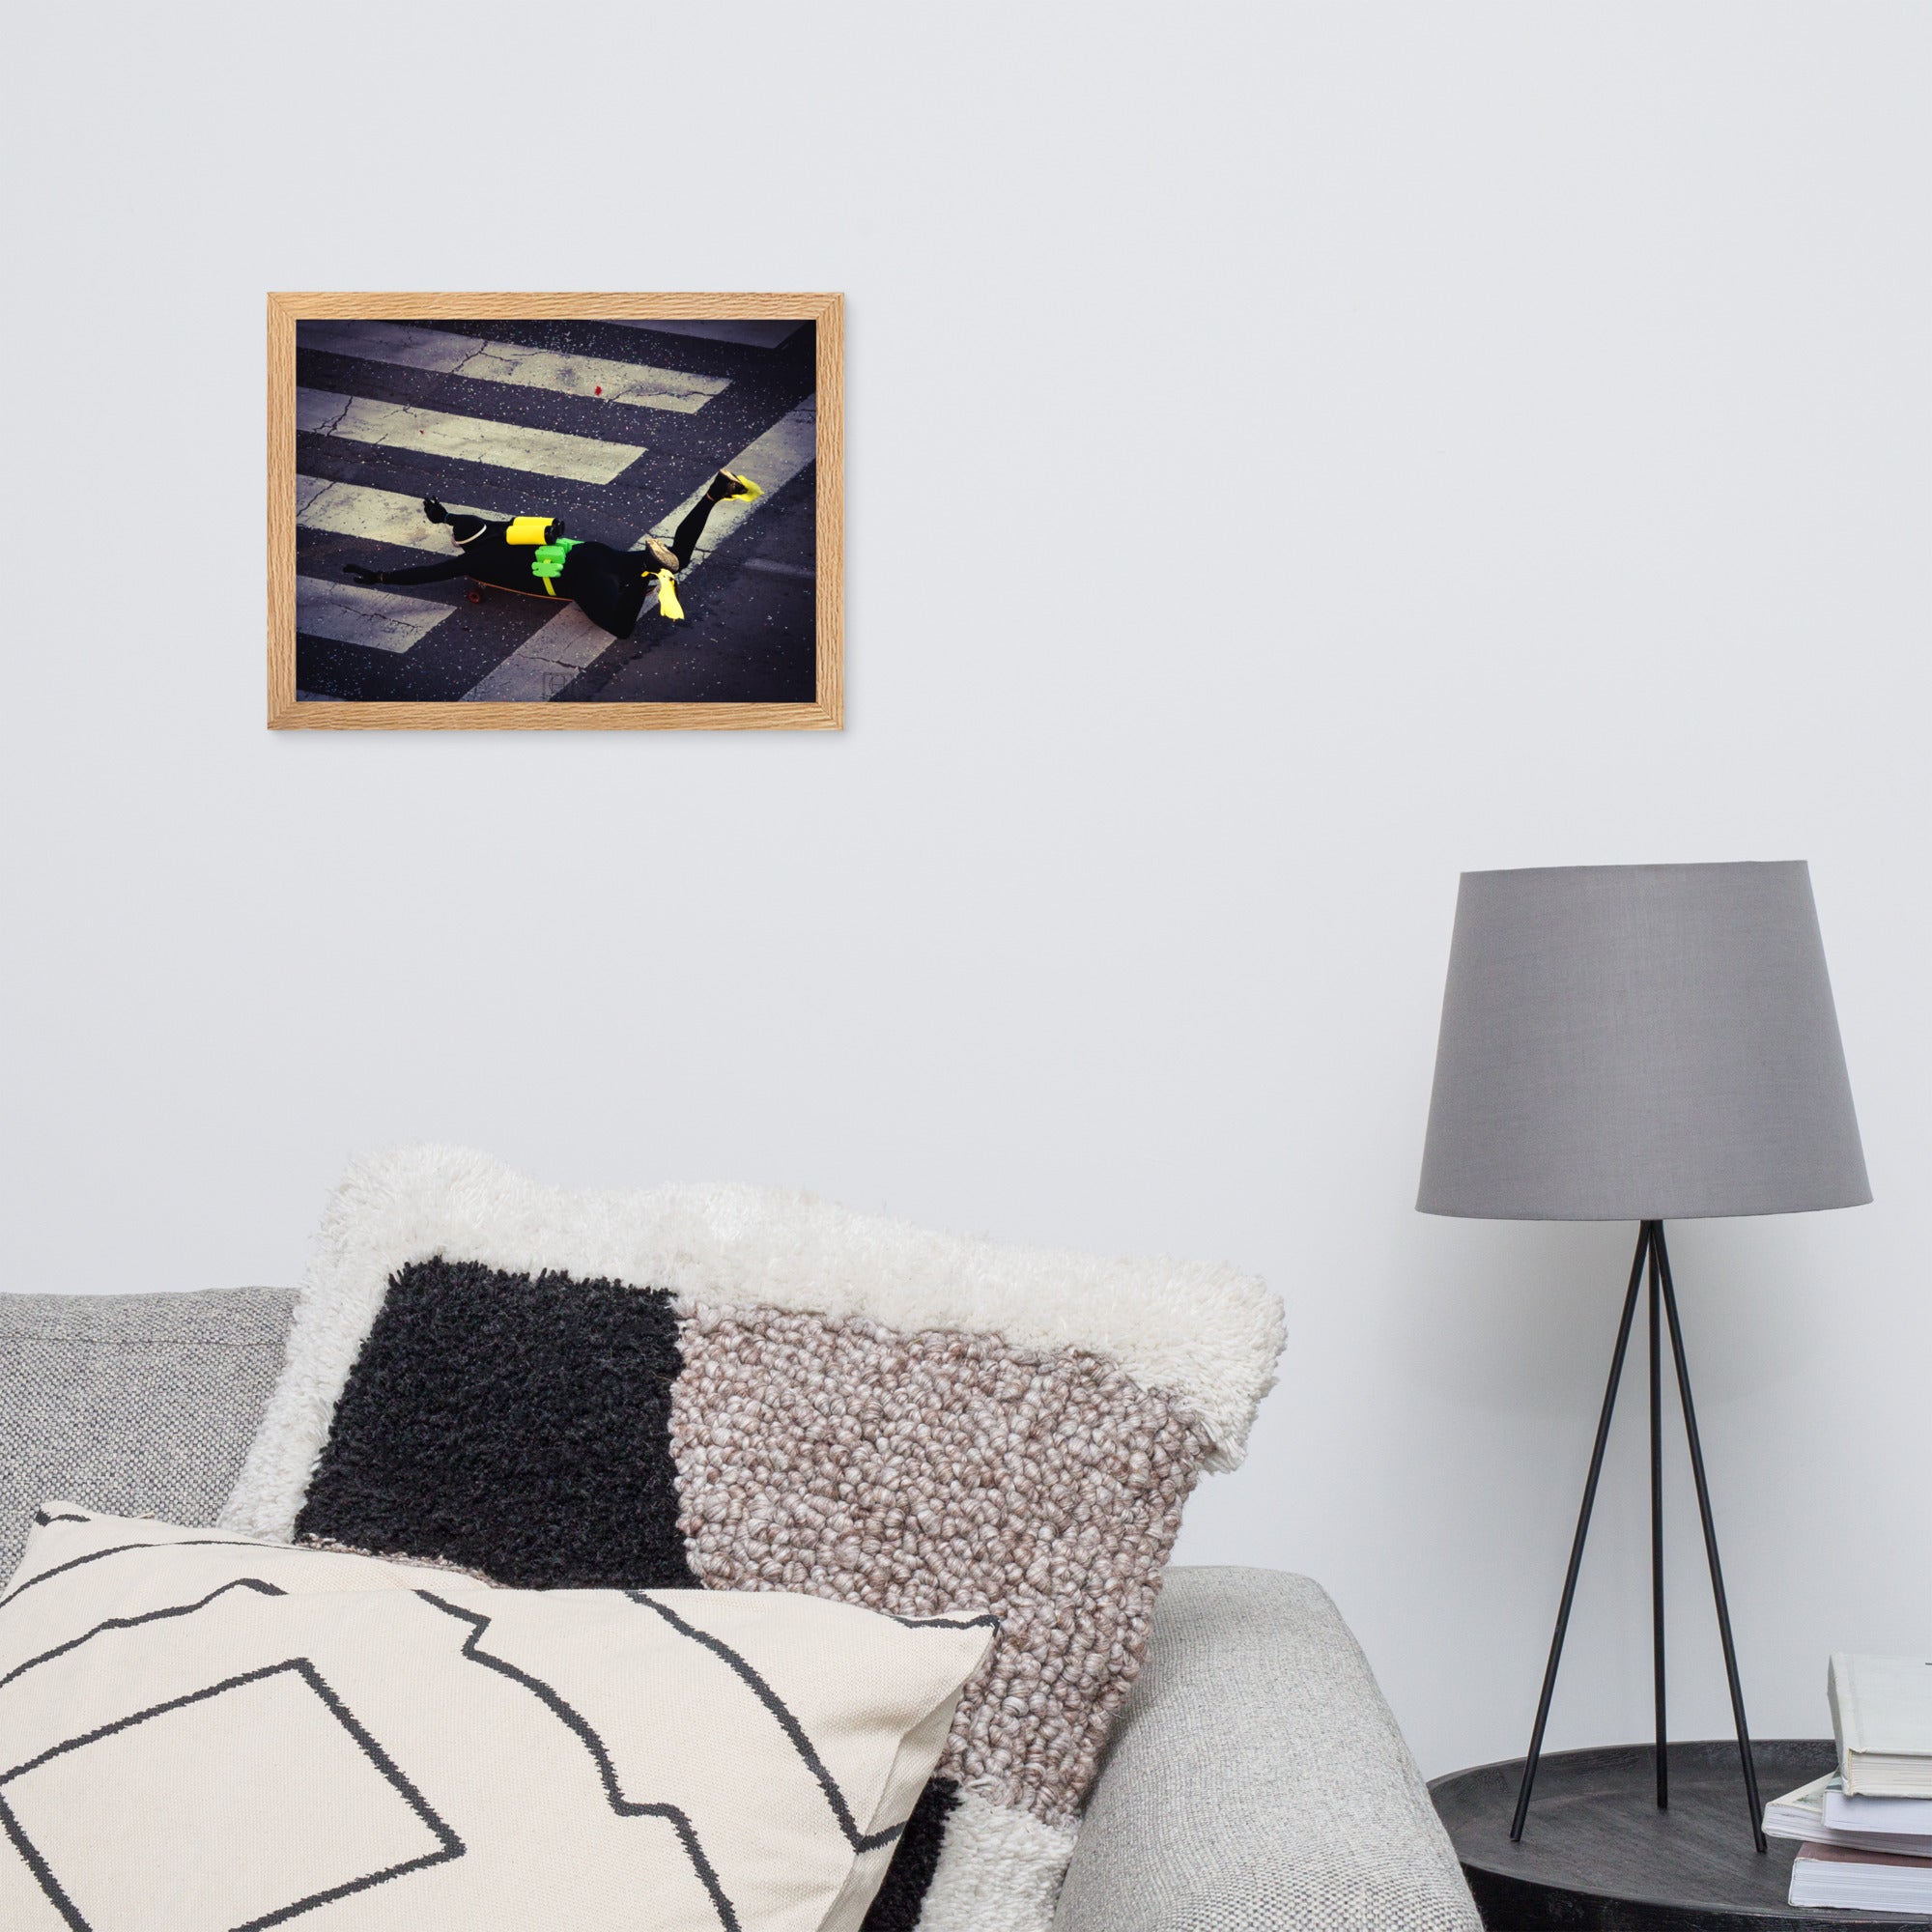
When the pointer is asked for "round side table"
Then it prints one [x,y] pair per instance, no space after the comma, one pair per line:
[1598,1856]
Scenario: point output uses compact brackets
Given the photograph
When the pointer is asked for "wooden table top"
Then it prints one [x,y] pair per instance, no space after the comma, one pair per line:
[1598,1856]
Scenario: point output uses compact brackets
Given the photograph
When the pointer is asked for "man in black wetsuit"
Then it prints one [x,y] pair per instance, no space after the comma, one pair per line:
[607,585]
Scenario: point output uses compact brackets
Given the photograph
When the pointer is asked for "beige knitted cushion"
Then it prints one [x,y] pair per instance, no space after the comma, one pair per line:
[746,1389]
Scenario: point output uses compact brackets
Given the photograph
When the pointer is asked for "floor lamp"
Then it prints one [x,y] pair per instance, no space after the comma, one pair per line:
[1640,1043]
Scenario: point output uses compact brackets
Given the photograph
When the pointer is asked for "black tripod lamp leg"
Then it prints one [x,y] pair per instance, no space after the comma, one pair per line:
[1711,1545]
[1582,1532]
[1656,1518]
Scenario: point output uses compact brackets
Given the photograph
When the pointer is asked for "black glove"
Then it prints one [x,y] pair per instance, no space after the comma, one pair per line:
[361,575]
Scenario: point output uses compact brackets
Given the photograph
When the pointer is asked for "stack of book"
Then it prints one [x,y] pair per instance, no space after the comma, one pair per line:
[1865,1829]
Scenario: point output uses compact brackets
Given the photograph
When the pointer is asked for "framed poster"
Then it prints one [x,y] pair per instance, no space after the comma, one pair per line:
[556,512]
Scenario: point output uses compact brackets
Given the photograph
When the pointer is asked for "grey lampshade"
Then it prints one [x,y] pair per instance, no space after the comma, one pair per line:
[1633,1042]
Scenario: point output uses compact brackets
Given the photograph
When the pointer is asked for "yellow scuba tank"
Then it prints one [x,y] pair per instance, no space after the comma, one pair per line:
[531,530]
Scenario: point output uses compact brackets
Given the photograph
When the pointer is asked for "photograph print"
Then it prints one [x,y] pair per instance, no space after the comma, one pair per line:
[551,511]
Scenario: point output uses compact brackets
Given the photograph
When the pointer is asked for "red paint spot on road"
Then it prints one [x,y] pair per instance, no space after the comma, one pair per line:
[600,388]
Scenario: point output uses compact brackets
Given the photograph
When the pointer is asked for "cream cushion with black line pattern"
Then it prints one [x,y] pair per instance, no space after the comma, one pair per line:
[201,1732]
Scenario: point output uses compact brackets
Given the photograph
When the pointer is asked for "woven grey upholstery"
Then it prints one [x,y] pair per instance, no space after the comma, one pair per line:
[139,1404]
[1257,1782]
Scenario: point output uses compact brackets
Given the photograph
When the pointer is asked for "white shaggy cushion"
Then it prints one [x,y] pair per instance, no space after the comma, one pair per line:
[199,1732]
[1204,1332]
[796,1397]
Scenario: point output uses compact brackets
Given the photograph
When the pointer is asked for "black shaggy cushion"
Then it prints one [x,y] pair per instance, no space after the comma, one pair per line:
[510,1424]
[519,1426]
[902,1896]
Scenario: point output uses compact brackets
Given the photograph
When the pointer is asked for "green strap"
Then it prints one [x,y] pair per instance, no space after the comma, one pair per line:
[546,560]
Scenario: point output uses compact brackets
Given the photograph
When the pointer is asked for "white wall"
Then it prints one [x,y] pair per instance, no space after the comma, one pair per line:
[1296,453]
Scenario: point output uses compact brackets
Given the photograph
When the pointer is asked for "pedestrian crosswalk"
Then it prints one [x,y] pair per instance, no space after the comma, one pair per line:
[388,413]
[570,643]
[485,361]
[357,614]
[549,452]
[376,516]
[771,460]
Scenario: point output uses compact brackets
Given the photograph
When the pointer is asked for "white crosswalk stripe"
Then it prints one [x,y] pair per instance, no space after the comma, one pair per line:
[378,516]
[547,452]
[570,643]
[357,614]
[396,343]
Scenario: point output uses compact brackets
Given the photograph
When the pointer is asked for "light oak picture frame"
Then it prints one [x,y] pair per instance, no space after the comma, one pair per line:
[736,314]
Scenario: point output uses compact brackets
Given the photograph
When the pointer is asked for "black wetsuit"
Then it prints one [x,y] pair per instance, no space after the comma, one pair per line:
[607,585]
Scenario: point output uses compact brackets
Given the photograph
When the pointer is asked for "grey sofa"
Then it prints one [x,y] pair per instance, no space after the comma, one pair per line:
[1256,1779]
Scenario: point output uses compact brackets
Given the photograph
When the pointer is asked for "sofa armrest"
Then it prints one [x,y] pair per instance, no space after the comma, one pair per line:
[138,1405]
[1257,1779]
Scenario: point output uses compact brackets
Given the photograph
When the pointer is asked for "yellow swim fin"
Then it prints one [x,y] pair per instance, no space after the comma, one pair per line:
[668,595]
